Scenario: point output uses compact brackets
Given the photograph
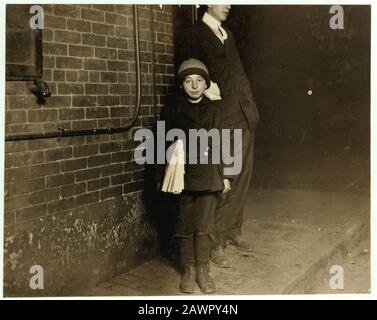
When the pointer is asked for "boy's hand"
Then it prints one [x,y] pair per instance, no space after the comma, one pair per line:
[226,185]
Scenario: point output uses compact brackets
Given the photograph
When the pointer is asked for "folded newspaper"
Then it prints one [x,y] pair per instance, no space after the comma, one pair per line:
[175,170]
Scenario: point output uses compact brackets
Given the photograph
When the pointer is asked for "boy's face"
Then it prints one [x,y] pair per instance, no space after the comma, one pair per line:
[194,86]
[220,13]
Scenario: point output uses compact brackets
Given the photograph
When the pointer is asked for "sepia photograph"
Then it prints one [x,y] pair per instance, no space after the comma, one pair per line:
[186,150]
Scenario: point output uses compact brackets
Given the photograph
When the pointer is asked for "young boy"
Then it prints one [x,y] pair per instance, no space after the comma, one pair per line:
[203,182]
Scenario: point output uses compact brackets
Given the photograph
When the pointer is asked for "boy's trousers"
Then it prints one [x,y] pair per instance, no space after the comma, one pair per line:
[195,225]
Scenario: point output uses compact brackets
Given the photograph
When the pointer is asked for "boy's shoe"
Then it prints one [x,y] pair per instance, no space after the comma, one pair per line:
[188,279]
[240,243]
[218,257]
[203,278]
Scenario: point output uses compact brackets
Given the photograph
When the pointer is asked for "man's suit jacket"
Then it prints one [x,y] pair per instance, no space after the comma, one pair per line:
[225,68]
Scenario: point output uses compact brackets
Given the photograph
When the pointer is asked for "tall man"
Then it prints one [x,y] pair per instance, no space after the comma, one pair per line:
[214,45]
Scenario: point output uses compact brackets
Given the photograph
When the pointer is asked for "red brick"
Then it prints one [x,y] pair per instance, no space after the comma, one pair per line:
[57,102]
[42,144]
[71,88]
[126,55]
[108,100]
[103,29]
[120,89]
[93,40]
[42,115]
[110,147]
[92,15]
[115,65]
[104,7]
[82,76]
[121,156]
[49,62]
[109,123]
[15,117]
[94,76]
[53,48]
[132,166]
[23,158]
[48,35]
[60,180]
[71,75]
[148,121]
[100,160]
[15,88]
[22,102]
[78,25]
[80,51]
[96,88]
[27,186]
[67,36]
[124,32]
[23,128]
[84,101]
[98,184]
[87,174]
[115,42]
[71,11]
[43,196]
[58,154]
[109,77]
[85,150]
[97,138]
[17,202]
[111,192]
[59,76]
[52,22]
[16,146]
[133,187]
[45,169]
[87,198]
[71,114]
[111,169]
[94,64]
[104,53]
[124,9]
[116,19]
[138,175]
[121,179]
[95,113]
[118,112]
[84,124]
[164,17]
[68,63]
[73,165]
[73,189]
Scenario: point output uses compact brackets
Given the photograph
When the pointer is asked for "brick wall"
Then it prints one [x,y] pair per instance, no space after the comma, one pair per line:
[73,204]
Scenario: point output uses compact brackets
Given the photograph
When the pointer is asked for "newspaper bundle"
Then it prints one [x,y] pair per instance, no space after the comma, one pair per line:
[175,170]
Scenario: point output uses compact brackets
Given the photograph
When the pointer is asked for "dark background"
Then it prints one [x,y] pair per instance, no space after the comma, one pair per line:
[319,141]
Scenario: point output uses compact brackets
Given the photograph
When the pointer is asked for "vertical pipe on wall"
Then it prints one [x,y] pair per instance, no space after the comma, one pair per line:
[154,104]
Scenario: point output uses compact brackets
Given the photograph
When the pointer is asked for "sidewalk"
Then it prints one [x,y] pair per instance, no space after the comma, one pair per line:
[297,236]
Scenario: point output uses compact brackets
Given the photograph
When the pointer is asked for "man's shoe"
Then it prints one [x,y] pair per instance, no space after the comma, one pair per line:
[203,278]
[218,257]
[188,279]
[240,243]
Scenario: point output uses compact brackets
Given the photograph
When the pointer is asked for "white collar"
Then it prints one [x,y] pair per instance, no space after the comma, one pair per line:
[211,21]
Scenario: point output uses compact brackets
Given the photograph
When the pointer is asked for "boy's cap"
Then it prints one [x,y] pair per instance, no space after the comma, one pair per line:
[193,66]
